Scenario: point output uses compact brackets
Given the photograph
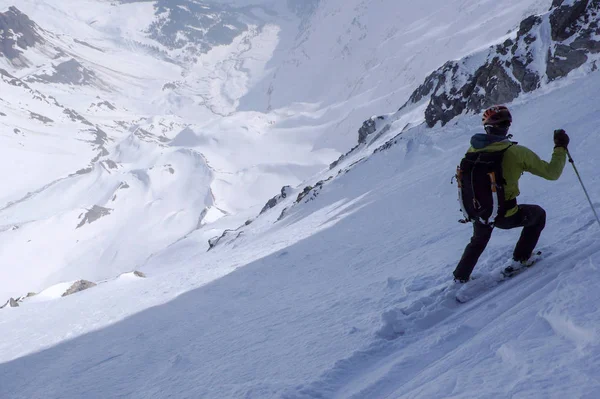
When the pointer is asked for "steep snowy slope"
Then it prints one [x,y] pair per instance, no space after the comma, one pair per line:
[357,57]
[348,295]
[144,121]
[342,289]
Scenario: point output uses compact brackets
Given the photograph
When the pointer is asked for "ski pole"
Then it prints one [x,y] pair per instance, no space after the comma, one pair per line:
[582,185]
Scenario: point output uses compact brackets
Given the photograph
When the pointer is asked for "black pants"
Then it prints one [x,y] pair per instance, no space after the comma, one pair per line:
[531,217]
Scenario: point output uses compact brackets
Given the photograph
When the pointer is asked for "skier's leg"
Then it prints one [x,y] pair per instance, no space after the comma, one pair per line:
[474,249]
[533,218]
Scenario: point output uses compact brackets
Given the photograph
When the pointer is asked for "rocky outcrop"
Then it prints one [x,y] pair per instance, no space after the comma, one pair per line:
[93,214]
[12,302]
[544,48]
[41,118]
[78,286]
[309,193]
[76,117]
[373,124]
[196,27]
[227,235]
[70,72]
[285,191]
[17,33]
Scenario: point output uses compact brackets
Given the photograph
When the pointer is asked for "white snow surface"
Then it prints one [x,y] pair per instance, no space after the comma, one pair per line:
[346,293]
[347,296]
[164,148]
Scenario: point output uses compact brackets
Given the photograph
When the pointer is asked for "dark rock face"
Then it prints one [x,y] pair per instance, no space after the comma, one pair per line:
[310,193]
[40,118]
[512,68]
[12,302]
[227,234]
[564,60]
[285,191]
[70,72]
[369,126]
[79,286]
[76,117]
[564,20]
[94,214]
[17,32]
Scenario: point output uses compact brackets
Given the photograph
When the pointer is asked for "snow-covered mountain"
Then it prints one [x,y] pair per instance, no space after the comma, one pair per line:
[154,136]
[172,115]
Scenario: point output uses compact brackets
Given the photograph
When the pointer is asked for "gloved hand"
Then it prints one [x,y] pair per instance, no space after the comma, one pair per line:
[561,139]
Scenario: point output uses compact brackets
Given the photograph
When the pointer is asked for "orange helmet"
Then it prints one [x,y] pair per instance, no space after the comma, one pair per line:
[497,115]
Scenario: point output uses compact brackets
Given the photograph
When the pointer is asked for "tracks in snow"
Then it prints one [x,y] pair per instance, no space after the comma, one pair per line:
[405,346]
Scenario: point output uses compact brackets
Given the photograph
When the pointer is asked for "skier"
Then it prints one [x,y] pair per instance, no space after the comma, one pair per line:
[516,159]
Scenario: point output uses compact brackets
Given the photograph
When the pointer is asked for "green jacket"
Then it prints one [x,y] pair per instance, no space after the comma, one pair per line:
[517,160]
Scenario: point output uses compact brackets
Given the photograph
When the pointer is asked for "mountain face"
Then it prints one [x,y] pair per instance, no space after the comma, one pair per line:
[17,33]
[132,142]
[164,119]
[545,48]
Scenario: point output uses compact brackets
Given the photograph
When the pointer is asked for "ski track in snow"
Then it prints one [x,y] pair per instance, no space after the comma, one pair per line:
[408,329]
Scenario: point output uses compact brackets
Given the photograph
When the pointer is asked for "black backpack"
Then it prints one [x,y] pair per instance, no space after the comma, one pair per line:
[481,187]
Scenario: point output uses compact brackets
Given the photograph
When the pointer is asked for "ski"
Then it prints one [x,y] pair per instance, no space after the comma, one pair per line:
[482,284]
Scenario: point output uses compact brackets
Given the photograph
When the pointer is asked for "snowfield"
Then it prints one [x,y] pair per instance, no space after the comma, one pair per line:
[341,290]
[347,296]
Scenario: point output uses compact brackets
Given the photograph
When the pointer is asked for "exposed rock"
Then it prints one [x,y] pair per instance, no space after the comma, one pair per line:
[564,60]
[110,164]
[304,193]
[12,302]
[197,27]
[367,128]
[94,214]
[215,240]
[169,86]
[285,191]
[76,117]
[79,286]
[527,25]
[84,171]
[509,69]
[139,274]
[17,32]
[11,80]
[39,117]
[101,138]
[313,191]
[70,72]
[107,105]
[564,19]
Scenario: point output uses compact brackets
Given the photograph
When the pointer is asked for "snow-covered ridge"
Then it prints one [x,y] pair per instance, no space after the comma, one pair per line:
[17,33]
[545,48]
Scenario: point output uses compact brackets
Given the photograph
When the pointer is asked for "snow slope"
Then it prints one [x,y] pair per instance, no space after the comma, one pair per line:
[348,295]
[163,118]
[341,290]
